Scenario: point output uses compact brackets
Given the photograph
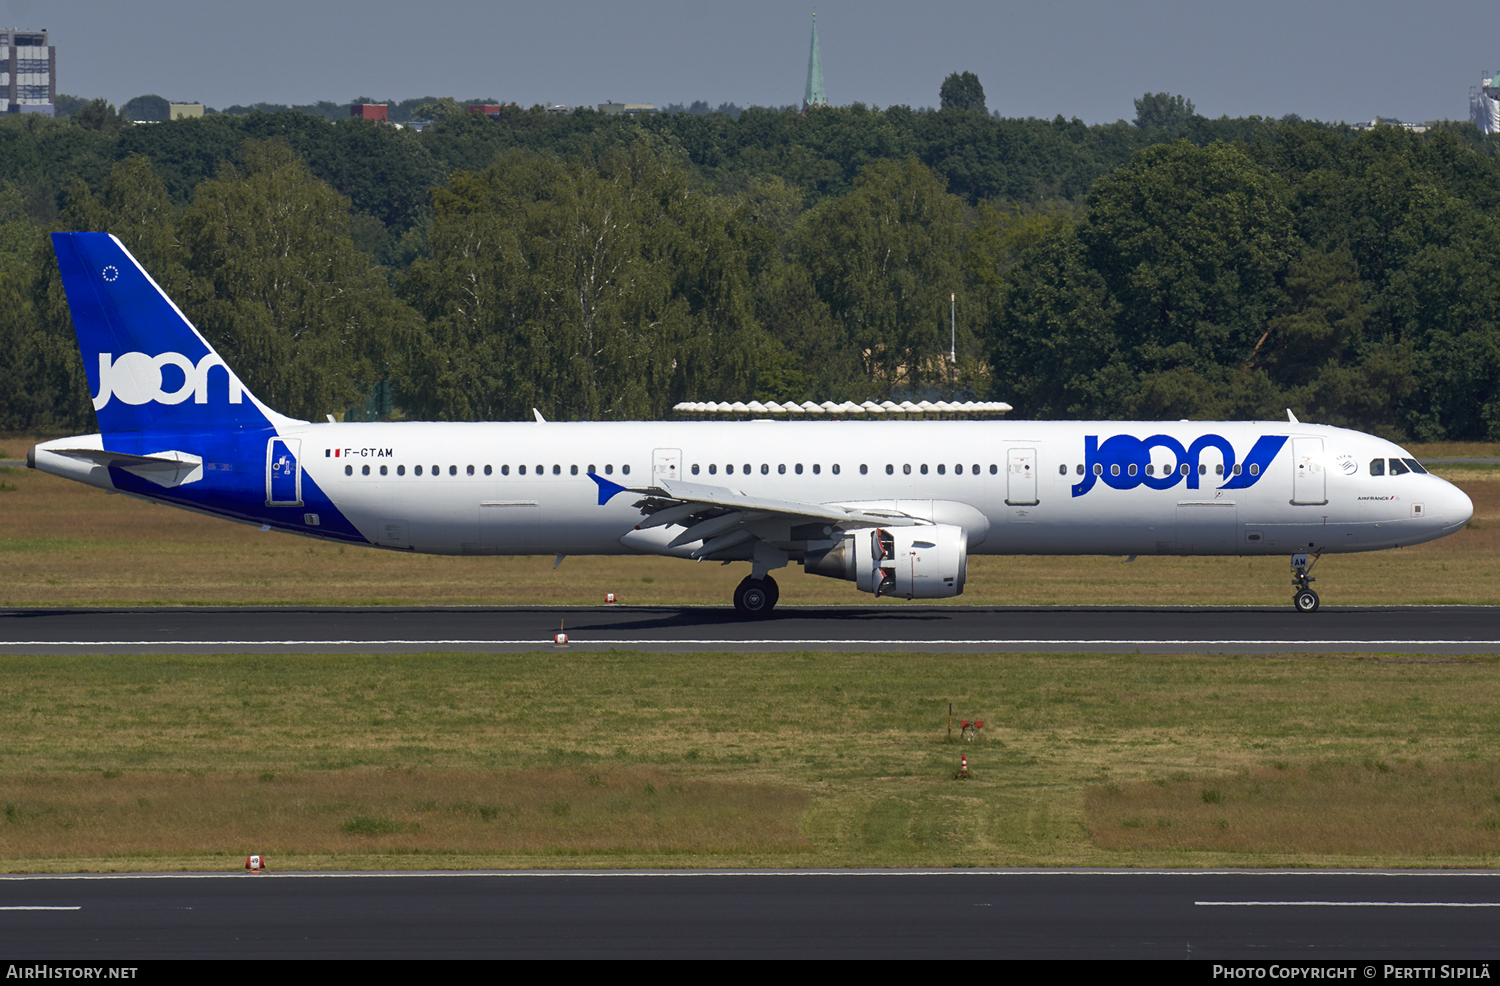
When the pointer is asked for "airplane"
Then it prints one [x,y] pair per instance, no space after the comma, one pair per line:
[896,507]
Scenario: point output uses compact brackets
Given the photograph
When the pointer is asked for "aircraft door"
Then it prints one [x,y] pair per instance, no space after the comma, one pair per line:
[666,465]
[1020,480]
[1309,480]
[283,473]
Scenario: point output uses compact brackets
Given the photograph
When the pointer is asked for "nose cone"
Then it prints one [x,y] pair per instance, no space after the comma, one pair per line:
[1457,507]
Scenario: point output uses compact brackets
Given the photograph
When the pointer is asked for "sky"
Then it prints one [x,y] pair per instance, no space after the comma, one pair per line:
[1078,58]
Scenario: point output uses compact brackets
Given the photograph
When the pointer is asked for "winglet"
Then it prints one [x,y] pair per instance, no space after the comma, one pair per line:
[1291,418]
[539,419]
[607,490]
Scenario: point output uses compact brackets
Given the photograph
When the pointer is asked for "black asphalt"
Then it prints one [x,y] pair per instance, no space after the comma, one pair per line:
[890,914]
[893,626]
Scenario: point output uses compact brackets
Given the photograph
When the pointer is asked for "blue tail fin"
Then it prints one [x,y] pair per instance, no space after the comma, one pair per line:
[149,368]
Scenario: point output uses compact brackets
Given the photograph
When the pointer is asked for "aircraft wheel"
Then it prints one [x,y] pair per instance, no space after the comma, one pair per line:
[1306,601]
[773,589]
[755,599]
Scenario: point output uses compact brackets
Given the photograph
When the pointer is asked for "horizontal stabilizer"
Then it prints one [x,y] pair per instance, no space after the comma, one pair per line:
[165,469]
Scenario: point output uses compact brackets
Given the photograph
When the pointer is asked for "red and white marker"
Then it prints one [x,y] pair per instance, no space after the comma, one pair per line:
[560,640]
[255,864]
[609,599]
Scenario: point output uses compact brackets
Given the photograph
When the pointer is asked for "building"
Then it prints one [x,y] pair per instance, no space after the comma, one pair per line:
[370,111]
[28,73]
[814,95]
[1484,104]
[181,111]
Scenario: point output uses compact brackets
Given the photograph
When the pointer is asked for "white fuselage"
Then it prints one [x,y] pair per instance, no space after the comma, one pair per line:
[524,489]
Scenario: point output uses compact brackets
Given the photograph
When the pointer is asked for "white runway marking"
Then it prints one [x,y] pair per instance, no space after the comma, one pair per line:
[1337,903]
[627,642]
[40,907]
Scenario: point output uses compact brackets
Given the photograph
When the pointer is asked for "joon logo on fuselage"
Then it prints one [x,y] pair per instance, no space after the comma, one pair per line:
[136,378]
[1124,462]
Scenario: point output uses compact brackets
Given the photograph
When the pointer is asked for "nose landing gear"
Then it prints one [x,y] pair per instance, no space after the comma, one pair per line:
[1304,599]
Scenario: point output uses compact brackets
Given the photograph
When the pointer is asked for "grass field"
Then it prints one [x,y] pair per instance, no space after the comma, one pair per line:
[62,543]
[812,759]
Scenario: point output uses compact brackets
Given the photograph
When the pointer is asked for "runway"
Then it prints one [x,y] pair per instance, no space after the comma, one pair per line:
[1308,918]
[893,627]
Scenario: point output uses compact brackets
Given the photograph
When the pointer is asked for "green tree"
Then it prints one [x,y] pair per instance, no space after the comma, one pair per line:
[962,91]
[147,109]
[280,291]
[1162,111]
[884,259]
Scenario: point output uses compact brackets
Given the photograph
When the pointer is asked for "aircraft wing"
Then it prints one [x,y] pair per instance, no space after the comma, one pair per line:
[721,517]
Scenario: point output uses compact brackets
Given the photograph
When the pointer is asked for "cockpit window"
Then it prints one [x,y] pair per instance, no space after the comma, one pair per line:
[1398,468]
[1377,467]
[1416,466]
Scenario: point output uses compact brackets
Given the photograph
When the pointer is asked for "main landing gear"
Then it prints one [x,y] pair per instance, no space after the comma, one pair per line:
[1304,599]
[755,598]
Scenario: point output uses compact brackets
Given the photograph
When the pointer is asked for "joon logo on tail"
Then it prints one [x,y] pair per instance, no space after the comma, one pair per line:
[136,378]
[1124,462]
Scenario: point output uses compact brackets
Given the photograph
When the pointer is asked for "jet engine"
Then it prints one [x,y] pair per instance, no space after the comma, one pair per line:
[929,562]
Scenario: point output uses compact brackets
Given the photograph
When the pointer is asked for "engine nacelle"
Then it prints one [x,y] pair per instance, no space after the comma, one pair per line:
[910,562]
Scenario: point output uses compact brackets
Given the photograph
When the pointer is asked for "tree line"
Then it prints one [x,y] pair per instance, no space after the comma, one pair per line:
[597,267]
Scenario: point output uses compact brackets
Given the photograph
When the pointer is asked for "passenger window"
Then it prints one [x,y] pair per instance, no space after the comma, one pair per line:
[1098,469]
[1254,469]
[695,469]
[729,469]
[1237,468]
[890,469]
[488,469]
[924,468]
[835,468]
[1219,469]
[573,470]
[625,469]
[1398,468]
[556,469]
[781,469]
[400,470]
[798,468]
[906,469]
[765,470]
[817,469]
[417,471]
[609,469]
[976,469]
[384,468]
[864,470]
[348,470]
[505,470]
[1185,468]
[1079,470]
[747,469]
[994,469]
[1114,470]
[958,470]
[1150,469]
[713,469]
[364,470]
[471,470]
[521,470]
[942,469]
[592,470]
[1132,469]
[1416,466]
[1203,469]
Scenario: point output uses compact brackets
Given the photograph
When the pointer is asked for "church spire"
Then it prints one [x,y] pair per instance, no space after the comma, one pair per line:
[814,96]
